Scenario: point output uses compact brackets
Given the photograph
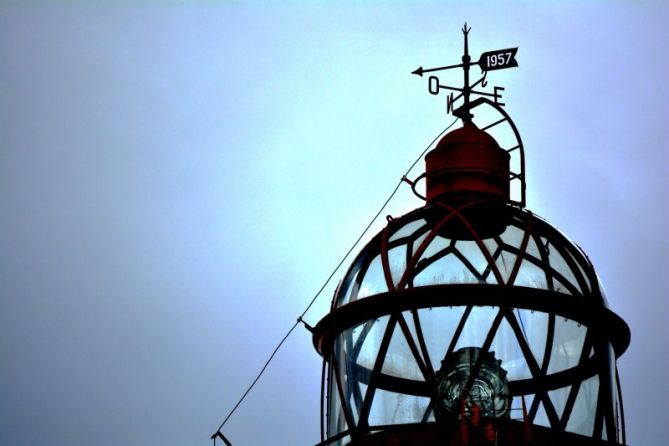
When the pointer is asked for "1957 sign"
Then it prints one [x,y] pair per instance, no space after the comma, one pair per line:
[498,59]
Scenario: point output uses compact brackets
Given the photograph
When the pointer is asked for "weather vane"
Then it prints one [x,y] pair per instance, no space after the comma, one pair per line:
[489,61]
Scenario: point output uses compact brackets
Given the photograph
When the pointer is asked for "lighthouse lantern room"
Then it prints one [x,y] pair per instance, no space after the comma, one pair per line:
[471,320]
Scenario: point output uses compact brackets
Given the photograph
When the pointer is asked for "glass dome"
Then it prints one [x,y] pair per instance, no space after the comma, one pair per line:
[449,315]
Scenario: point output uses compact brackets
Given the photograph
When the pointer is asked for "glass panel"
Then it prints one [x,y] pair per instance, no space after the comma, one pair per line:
[357,348]
[345,369]
[369,349]
[534,325]
[396,408]
[505,347]
[437,244]
[517,407]
[408,229]
[336,421]
[567,345]
[491,247]
[397,261]
[582,419]
[341,442]
[528,402]
[355,404]
[541,418]
[543,240]
[349,288]
[559,264]
[448,269]
[438,326]
[532,249]
[559,399]
[352,335]
[513,236]
[477,327]
[505,263]
[363,389]
[363,392]
[560,287]
[471,251]
[399,360]
[530,275]
[585,276]
[580,271]
[418,242]
[374,281]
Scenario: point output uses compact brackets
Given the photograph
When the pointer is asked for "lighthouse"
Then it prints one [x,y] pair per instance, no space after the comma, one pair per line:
[471,320]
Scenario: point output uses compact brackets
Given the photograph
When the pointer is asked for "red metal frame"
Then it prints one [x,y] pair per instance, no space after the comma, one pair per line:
[583,304]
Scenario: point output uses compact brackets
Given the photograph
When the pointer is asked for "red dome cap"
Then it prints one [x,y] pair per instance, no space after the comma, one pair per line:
[467,164]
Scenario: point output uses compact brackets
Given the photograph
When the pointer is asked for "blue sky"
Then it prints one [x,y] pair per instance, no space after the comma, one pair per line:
[178,178]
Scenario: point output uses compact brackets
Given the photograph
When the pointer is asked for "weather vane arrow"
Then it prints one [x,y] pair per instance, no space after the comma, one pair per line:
[488,61]
[420,70]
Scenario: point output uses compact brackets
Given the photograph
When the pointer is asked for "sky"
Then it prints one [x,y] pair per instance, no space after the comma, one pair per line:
[177,179]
